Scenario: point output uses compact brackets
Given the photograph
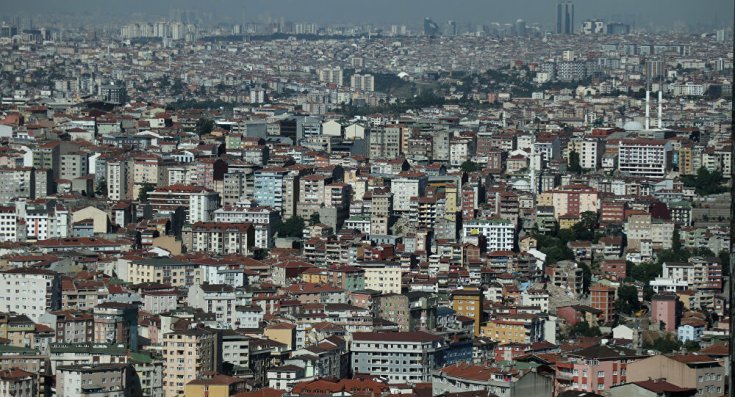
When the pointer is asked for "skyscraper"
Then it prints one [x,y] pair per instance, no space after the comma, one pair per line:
[565,17]
[430,27]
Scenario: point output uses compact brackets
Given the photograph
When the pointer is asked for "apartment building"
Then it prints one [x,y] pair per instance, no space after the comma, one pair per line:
[644,157]
[219,238]
[383,277]
[198,203]
[571,200]
[188,355]
[218,299]
[16,382]
[406,186]
[270,187]
[499,234]
[590,151]
[164,271]
[263,219]
[695,371]
[399,357]
[30,291]
[94,380]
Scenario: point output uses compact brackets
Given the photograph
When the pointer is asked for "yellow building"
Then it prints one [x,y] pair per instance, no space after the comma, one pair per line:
[283,333]
[567,221]
[315,276]
[215,386]
[505,331]
[468,303]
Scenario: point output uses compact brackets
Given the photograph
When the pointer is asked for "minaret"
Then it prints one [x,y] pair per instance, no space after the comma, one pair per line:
[660,109]
[648,114]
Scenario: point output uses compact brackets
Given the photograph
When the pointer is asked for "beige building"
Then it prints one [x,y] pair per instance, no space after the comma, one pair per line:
[641,227]
[100,219]
[164,271]
[383,277]
[147,168]
[187,355]
[570,200]
[689,371]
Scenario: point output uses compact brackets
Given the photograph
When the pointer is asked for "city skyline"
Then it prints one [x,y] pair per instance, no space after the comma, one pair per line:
[648,14]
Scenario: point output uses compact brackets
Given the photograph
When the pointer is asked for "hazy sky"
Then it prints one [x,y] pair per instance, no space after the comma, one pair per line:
[409,12]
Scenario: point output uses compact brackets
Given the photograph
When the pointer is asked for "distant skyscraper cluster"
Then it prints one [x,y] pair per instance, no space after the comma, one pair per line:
[565,17]
[161,29]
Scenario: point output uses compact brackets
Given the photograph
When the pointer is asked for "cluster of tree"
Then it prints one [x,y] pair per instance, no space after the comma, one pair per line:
[469,166]
[667,344]
[627,302]
[705,182]
[575,165]
[144,190]
[204,126]
[582,328]
[292,227]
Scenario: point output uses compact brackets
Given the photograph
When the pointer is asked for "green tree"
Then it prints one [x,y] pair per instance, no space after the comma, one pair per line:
[644,272]
[575,165]
[469,166]
[586,277]
[627,301]
[692,346]
[314,218]
[293,227]
[724,256]
[664,344]
[582,328]
[676,241]
[144,190]
[204,126]
[101,188]
[705,182]
[585,228]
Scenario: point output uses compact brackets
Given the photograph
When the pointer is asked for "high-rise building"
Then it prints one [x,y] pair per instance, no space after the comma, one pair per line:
[331,75]
[187,355]
[594,26]
[565,17]
[362,82]
[430,27]
[520,28]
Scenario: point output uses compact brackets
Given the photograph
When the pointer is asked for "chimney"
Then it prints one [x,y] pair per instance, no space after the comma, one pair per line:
[648,114]
[660,109]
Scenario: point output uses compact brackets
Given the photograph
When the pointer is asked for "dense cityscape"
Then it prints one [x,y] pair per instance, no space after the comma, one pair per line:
[275,208]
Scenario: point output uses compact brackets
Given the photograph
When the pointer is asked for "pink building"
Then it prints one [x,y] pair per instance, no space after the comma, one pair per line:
[665,309]
[595,369]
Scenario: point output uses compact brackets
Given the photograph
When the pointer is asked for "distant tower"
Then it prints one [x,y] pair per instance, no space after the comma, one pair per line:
[520,27]
[565,17]
[430,27]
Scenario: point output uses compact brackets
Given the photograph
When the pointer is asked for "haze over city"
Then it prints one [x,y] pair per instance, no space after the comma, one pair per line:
[366,198]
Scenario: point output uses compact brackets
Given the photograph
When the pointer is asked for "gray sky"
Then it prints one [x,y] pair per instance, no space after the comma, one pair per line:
[409,12]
